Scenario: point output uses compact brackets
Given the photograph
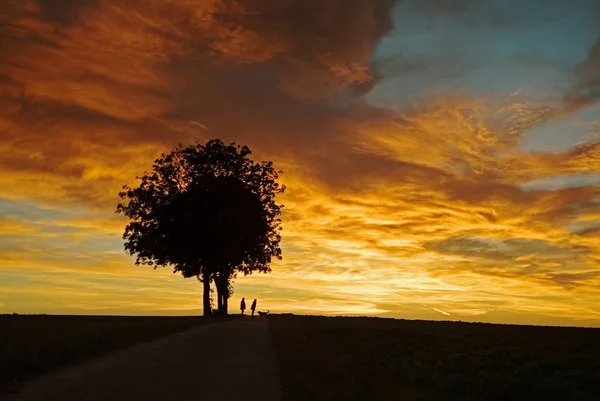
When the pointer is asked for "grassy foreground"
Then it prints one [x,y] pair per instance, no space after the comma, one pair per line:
[32,344]
[324,358]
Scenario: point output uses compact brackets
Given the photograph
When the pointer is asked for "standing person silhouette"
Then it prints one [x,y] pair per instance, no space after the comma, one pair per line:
[243,305]
[253,307]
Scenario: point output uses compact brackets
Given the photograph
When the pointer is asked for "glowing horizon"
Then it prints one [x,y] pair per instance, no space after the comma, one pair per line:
[442,158]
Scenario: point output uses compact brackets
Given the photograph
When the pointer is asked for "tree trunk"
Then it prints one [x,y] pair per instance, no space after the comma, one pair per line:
[221,284]
[219,298]
[206,296]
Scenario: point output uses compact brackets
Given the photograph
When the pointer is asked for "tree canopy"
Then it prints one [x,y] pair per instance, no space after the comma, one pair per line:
[209,211]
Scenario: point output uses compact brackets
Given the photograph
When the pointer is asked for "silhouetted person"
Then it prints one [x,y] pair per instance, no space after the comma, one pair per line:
[253,307]
[243,305]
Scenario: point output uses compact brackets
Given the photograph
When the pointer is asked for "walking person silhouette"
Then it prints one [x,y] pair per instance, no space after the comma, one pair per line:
[243,305]
[253,307]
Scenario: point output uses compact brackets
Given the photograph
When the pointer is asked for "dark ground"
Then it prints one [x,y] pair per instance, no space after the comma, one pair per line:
[231,360]
[384,359]
[319,358]
[33,344]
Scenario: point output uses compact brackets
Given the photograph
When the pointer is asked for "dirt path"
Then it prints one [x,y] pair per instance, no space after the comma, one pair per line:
[177,367]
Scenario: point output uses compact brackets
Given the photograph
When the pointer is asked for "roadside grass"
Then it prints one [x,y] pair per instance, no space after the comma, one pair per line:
[337,358]
[33,344]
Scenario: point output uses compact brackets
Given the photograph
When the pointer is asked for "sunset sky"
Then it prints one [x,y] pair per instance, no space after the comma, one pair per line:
[442,157]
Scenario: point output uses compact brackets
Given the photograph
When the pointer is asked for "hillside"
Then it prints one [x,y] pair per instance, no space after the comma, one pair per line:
[335,358]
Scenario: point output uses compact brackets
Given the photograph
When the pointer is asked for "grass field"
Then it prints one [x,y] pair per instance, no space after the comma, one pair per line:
[383,359]
[34,344]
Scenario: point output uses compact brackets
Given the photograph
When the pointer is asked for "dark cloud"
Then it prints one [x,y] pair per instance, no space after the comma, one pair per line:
[285,78]
[572,280]
[510,249]
[64,11]
[467,246]
[587,75]
[316,48]
[507,13]
[440,6]
[589,232]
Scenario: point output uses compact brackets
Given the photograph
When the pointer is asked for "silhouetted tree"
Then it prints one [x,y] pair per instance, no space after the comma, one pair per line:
[207,210]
